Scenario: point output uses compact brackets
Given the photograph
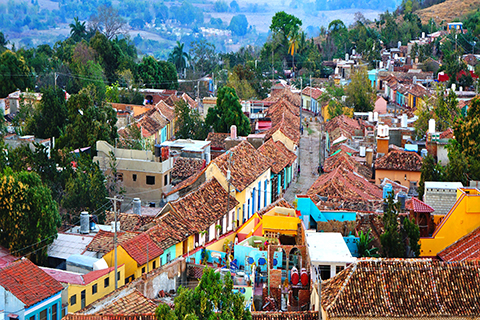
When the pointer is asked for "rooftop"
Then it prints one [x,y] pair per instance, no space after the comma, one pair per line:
[418,206]
[130,221]
[134,303]
[141,248]
[442,185]
[188,145]
[400,160]
[279,159]
[464,249]
[327,247]
[28,283]
[67,244]
[77,278]
[103,240]
[217,139]
[186,167]
[403,288]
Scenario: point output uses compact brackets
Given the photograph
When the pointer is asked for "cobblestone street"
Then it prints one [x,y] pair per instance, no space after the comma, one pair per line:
[309,159]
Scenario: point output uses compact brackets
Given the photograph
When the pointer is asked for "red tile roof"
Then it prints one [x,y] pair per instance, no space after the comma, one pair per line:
[290,155]
[289,125]
[278,159]
[240,157]
[345,190]
[403,288]
[137,248]
[217,139]
[400,160]
[286,93]
[76,316]
[344,122]
[166,110]
[129,221]
[135,303]
[292,315]
[281,202]
[447,134]
[281,106]
[5,257]
[341,158]
[28,283]
[76,278]
[186,167]
[418,206]
[314,92]
[103,240]
[464,249]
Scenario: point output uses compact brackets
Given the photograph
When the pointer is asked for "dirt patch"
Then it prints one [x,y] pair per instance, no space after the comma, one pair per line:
[448,10]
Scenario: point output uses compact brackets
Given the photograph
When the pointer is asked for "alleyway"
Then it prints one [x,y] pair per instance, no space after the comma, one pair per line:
[309,159]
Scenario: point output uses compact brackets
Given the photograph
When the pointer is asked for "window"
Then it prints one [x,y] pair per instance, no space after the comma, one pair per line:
[143,270]
[118,276]
[73,300]
[119,176]
[165,180]
[265,193]
[154,264]
[32,317]
[94,289]
[54,312]
[150,180]
[338,269]
[324,271]
[106,282]
[168,257]
[43,314]
[134,177]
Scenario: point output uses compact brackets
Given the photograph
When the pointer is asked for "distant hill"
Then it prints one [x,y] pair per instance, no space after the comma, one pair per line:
[448,11]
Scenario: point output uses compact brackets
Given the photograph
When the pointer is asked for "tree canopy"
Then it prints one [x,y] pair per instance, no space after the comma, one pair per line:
[360,93]
[228,112]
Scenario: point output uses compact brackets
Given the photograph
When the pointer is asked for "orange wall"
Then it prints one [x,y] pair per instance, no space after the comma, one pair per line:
[397,175]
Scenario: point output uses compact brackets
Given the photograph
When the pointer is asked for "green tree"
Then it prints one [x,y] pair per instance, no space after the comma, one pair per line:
[227,112]
[189,123]
[283,24]
[78,30]
[360,93]
[365,246]
[28,214]
[14,73]
[132,138]
[412,235]
[204,57]
[431,171]
[85,190]
[157,74]
[238,25]
[392,246]
[213,298]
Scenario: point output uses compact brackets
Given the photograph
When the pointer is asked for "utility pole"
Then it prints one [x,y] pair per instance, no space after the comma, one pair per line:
[56,79]
[299,141]
[272,63]
[115,199]
[147,258]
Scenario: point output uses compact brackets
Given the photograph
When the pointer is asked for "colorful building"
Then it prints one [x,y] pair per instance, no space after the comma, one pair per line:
[403,167]
[29,293]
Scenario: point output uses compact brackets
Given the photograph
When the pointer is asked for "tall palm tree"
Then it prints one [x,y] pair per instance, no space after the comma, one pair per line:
[293,41]
[78,30]
[179,57]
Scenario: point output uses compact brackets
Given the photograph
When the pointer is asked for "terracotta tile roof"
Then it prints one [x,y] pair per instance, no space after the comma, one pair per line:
[28,283]
[418,206]
[340,132]
[373,222]
[77,316]
[134,303]
[217,139]
[137,248]
[345,190]
[343,147]
[170,100]
[286,125]
[168,231]
[344,122]
[281,202]
[242,156]
[282,111]
[403,288]
[192,103]
[400,160]
[186,167]
[5,257]
[281,106]
[166,110]
[202,207]
[76,278]
[103,240]
[278,159]
[418,90]
[341,158]
[471,59]
[466,248]
[286,93]
[129,221]
[290,155]
[292,315]
[187,182]
[447,134]
[313,91]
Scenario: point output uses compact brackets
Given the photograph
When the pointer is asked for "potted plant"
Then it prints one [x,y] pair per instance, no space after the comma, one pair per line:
[218,227]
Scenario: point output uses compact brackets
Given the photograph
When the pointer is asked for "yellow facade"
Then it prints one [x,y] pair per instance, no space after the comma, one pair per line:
[399,176]
[102,289]
[243,196]
[463,218]
[132,269]
[326,116]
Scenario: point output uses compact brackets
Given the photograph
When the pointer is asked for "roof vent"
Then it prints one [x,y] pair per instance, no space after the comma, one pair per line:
[137,206]
[84,222]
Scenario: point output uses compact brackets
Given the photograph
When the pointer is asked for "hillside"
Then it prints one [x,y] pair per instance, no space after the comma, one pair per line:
[448,10]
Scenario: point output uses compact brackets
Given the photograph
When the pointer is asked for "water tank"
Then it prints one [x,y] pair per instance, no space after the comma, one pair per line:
[423,35]
[137,206]
[84,222]
[424,153]
[304,278]
[353,52]
[404,120]
[362,151]
[399,44]
[346,56]
[381,64]
[233,132]
[386,190]
[431,126]
[370,116]
[375,116]
[294,276]
[401,198]
[454,86]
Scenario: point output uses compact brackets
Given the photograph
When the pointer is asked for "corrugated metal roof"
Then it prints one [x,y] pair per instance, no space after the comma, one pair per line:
[67,244]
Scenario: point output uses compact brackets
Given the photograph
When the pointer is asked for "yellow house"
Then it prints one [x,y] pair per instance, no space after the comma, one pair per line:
[249,178]
[463,218]
[326,116]
[403,167]
[139,255]
[415,96]
[82,290]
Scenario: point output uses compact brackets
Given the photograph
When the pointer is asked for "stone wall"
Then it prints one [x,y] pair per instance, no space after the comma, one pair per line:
[442,200]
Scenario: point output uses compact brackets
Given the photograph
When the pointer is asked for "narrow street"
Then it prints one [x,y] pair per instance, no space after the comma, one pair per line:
[309,158]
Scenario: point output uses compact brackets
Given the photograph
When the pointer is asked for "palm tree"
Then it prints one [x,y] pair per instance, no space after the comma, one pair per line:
[179,57]
[78,30]
[293,41]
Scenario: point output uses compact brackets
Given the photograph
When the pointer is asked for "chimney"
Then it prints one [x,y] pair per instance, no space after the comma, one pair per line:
[233,132]
[137,206]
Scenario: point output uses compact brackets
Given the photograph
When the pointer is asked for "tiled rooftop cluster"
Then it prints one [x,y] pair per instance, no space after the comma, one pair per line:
[132,304]
[466,248]
[404,288]
[240,157]
[129,221]
[279,157]
[343,159]
[400,160]
[186,167]
[345,190]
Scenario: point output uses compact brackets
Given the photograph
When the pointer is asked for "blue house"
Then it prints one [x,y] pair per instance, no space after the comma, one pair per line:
[29,293]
